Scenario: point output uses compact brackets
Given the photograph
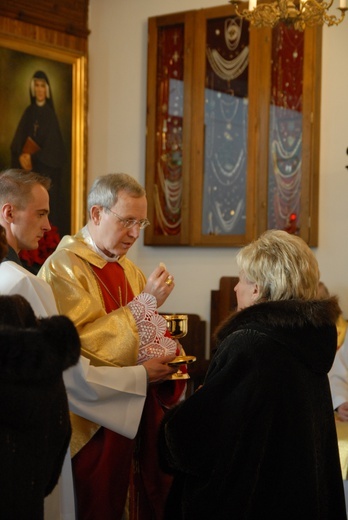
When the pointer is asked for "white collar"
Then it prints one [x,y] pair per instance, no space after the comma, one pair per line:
[90,242]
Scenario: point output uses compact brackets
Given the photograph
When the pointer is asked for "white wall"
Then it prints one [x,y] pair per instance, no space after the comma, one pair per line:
[117,111]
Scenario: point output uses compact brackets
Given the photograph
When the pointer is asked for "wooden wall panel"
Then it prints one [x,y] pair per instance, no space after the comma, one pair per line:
[66,16]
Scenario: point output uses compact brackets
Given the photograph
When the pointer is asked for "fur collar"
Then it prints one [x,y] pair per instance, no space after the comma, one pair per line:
[38,352]
[306,328]
[282,314]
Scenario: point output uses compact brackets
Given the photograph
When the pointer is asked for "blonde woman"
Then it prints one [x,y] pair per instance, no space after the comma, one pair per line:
[258,440]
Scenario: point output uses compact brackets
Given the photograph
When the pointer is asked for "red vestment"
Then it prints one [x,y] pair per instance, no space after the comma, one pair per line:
[110,463]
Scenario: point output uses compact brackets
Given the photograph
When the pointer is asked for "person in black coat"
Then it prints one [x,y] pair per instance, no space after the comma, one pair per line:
[258,440]
[34,418]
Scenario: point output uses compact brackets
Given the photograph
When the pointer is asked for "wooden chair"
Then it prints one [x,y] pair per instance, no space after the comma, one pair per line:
[223,301]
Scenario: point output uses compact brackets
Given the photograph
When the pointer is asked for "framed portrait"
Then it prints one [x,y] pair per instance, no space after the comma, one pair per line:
[43,121]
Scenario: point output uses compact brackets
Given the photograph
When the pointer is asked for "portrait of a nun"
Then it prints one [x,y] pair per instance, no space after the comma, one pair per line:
[38,143]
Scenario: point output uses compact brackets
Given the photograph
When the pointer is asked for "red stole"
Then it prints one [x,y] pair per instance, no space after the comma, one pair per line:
[103,468]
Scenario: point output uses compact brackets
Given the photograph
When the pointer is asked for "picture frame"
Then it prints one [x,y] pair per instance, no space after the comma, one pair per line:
[65,69]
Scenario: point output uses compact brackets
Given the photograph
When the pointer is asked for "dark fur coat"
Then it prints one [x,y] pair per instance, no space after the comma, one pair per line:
[34,418]
[259,439]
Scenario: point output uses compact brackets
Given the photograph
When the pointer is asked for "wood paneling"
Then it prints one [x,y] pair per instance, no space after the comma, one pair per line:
[66,16]
[223,301]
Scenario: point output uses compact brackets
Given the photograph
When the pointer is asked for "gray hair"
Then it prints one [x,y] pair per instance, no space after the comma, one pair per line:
[105,189]
[16,186]
[282,265]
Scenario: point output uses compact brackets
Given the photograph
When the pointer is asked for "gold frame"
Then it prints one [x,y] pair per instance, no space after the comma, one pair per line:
[78,61]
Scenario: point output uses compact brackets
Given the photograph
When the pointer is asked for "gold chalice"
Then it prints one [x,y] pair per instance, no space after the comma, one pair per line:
[177,326]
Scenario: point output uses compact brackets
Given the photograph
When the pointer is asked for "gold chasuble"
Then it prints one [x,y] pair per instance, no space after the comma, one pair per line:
[113,276]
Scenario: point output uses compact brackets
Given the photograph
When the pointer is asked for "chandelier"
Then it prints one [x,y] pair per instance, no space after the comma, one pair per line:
[300,14]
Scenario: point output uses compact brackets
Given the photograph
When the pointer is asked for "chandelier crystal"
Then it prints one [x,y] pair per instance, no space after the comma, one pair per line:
[301,14]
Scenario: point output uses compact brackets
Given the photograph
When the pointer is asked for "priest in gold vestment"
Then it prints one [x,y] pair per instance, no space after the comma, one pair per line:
[114,309]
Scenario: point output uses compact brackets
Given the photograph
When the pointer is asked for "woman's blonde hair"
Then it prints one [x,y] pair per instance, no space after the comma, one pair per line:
[282,265]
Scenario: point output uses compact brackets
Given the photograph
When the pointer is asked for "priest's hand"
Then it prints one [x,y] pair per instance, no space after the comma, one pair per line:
[160,284]
[158,370]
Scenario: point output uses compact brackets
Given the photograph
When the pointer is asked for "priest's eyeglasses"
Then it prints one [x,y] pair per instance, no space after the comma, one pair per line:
[131,222]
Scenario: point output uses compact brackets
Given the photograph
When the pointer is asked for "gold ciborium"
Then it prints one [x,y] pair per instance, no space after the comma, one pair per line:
[177,326]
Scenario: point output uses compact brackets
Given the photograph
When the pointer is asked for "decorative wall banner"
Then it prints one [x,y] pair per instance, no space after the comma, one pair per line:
[233,129]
